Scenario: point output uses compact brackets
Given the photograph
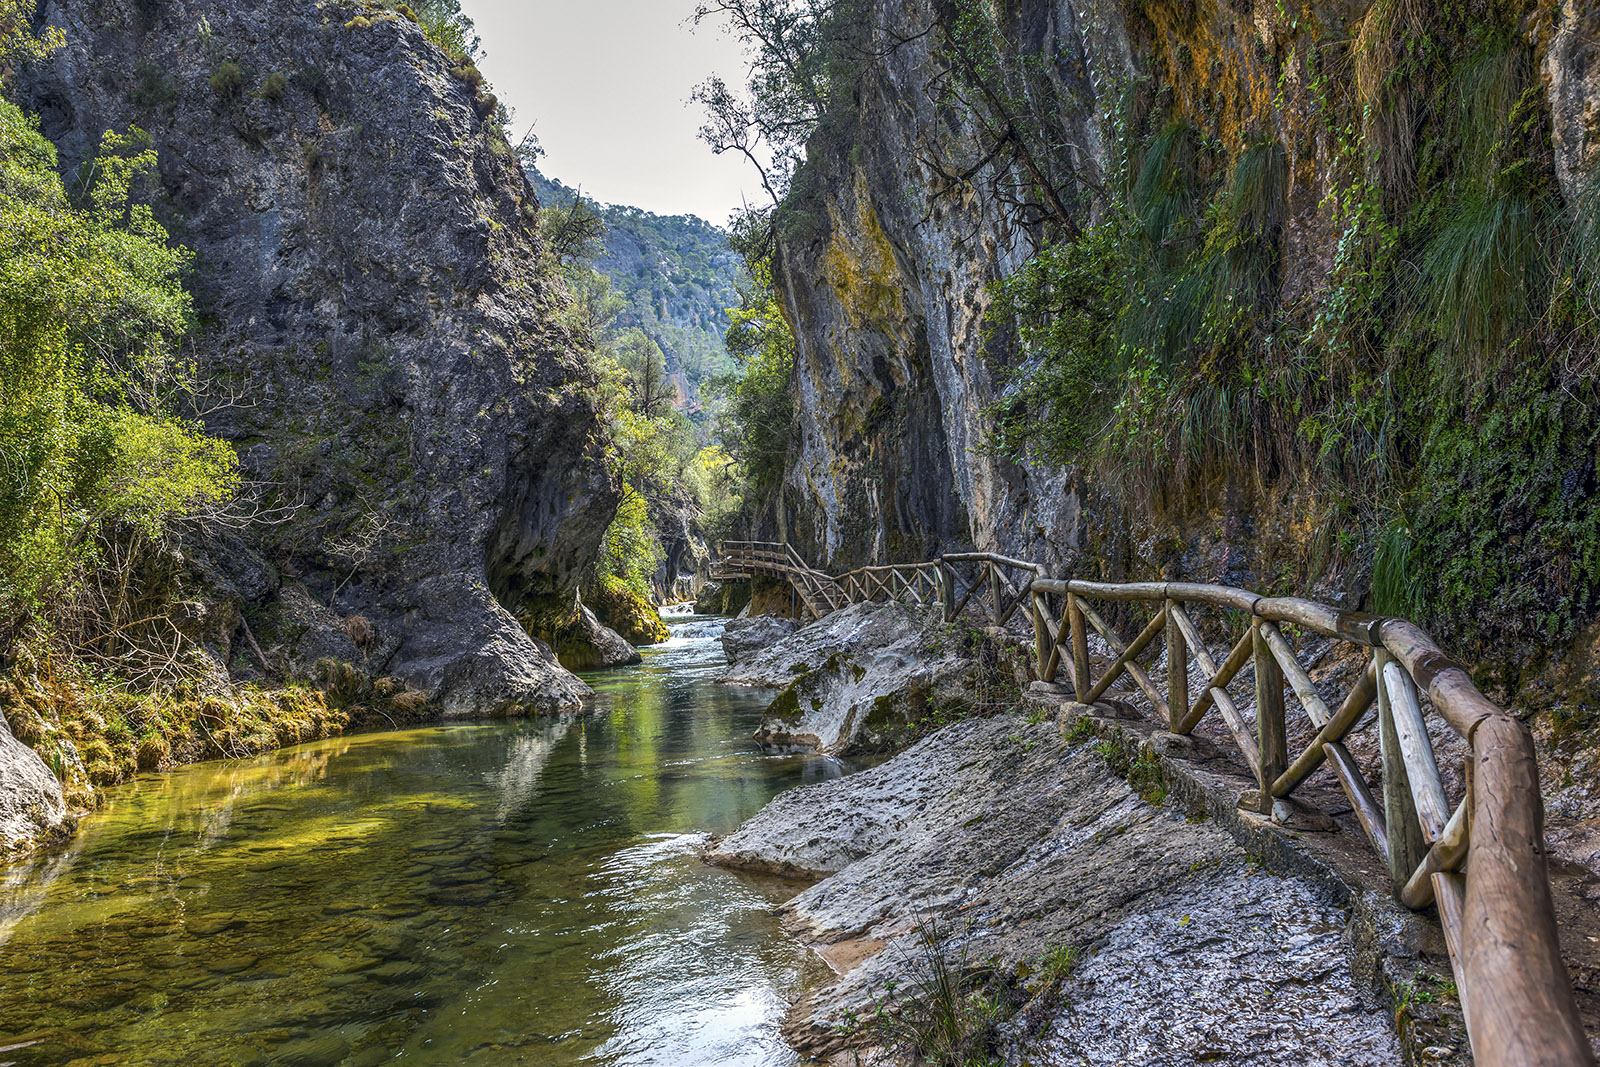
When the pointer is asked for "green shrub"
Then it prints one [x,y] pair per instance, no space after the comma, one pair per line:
[273,87]
[91,309]
[227,79]
[155,88]
[948,1016]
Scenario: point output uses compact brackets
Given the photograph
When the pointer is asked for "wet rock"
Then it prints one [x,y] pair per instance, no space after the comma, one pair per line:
[323,1051]
[744,640]
[590,644]
[1013,842]
[232,964]
[397,972]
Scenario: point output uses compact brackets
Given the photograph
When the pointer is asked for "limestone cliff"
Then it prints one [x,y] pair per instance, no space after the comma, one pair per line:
[887,288]
[377,335]
[901,220]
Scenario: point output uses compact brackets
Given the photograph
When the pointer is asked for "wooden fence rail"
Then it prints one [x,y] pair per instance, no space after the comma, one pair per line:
[1480,862]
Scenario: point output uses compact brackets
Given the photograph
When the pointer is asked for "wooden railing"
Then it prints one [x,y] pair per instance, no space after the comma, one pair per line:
[1481,862]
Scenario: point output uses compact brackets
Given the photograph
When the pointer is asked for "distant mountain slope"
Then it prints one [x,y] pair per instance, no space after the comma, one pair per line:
[677,275]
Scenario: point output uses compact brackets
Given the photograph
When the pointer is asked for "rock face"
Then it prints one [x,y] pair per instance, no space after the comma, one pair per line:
[379,337]
[888,292]
[31,804]
[1011,843]
[887,263]
[685,566]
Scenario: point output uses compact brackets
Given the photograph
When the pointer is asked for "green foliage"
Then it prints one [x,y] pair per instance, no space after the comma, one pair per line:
[756,407]
[627,611]
[804,62]
[18,42]
[274,86]
[949,1016]
[227,79]
[672,276]
[631,550]
[1065,304]
[573,231]
[445,24]
[1436,386]
[155,88]
[1580,254]
[1505,512]
[91,309]
[1057,964]
[1137,765]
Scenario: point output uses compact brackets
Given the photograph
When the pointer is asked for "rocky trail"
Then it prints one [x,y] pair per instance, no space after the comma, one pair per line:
[1195,931]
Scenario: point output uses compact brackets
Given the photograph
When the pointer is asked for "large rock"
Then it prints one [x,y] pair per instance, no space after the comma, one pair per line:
[1010,842]
[31,804]
[746,640]
[866,679]
[379,314]
[590,644]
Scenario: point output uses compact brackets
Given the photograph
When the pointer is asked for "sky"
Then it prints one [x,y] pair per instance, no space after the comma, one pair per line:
[606,84]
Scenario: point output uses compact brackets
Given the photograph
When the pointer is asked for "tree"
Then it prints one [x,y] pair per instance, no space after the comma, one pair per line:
[758,412]
[447,26]
[91,311]
[573,232]
[804,57]
[653,391]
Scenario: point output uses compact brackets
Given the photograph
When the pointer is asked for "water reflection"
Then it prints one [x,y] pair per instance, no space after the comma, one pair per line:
[522,893]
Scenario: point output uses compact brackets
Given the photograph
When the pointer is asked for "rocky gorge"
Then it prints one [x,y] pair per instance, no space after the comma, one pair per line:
[1124,290]
[922,198]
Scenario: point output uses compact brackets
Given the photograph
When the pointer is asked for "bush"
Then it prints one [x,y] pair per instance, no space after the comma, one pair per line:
[273,87]
[227,79]
[91,308]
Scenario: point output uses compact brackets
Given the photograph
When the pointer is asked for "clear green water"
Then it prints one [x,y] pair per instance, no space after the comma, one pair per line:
[522,893]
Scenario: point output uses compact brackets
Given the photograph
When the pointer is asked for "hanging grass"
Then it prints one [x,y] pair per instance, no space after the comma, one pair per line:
[1479,278]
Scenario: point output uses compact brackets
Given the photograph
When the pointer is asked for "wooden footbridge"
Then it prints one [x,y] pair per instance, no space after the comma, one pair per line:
[1477,855]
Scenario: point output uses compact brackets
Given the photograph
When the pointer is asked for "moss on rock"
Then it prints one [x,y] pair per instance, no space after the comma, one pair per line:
[629,614]
[94,735]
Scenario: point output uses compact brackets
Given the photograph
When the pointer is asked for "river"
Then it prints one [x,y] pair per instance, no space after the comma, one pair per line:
[506,893]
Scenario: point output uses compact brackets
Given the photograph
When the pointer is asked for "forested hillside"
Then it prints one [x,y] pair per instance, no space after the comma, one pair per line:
[675,276]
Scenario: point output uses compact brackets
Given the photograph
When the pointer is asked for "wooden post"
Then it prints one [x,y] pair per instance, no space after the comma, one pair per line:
[1041,635]
[1270,734]
[1407,849]
[1177,670]
[947,589]
[1080,647]
[1517,993]
[994,592]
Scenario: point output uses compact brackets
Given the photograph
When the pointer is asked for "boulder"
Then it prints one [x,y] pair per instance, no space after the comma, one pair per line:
[866,679]
[590,644]
[31,805]
[745,639]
